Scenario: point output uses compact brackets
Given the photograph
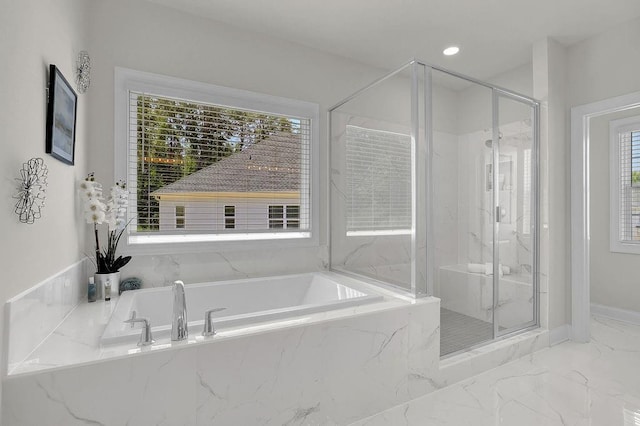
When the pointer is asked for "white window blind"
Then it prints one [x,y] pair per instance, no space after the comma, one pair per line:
[210,159]
[378,180]
[629,186]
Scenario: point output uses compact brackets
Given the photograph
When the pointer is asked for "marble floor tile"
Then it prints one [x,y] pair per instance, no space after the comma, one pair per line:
[597,383]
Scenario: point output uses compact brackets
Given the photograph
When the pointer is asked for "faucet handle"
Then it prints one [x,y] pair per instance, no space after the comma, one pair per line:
[208,322]
[133,316]
[146,338]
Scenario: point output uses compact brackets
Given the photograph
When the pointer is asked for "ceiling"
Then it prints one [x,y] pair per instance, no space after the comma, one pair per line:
[494,35]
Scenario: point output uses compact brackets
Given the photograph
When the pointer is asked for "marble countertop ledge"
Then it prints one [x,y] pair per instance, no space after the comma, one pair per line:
[76,341]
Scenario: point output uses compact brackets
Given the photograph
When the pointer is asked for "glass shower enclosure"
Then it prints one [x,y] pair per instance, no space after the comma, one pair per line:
[434,192]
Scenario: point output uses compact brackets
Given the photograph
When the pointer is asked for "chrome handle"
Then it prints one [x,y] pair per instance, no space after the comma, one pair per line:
[133,316]
[208,322]
[146,338]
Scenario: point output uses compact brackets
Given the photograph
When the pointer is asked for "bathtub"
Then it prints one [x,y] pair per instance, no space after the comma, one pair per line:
[247,301]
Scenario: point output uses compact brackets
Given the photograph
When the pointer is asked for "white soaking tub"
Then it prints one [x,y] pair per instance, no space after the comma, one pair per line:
[246,301]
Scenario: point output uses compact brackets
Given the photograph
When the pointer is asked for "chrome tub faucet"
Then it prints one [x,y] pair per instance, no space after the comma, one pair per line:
[179,330]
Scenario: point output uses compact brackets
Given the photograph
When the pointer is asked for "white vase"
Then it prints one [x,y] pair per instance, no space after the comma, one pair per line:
[111,280]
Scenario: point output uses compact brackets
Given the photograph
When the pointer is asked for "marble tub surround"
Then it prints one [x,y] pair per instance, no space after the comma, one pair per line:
[34,314]
[77,339]
[331,371]
[569,384]
[332,367]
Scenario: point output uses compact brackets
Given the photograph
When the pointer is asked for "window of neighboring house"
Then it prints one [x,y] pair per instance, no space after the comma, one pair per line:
[625,185]
[180,217]
[378,181]
[201,145]
[284,217]
[276,217]
[229,217]
[293,217]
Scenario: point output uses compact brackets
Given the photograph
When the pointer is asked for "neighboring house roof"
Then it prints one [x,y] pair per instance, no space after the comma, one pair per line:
[271,165]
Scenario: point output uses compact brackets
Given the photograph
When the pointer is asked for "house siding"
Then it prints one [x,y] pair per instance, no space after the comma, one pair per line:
[208,215]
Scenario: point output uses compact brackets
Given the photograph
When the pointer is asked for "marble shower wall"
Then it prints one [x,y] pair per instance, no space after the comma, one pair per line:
[388,257]
[383,257]
[447,176]
[475,198]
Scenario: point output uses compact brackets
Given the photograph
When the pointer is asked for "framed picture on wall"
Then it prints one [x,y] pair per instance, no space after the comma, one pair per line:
[61,117]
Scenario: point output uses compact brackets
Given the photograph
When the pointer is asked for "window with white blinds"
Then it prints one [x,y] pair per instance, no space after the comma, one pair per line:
[629,186]
[625,185]
[204,171]
[378,181]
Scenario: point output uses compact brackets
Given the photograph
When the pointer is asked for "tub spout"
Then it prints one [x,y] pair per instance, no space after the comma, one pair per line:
[179,330]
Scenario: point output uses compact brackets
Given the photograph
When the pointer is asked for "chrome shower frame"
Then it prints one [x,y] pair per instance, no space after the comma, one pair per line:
[422,270]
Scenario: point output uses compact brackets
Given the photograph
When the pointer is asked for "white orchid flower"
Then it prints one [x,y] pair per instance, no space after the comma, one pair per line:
[94,205]
[96,217]
[112,212]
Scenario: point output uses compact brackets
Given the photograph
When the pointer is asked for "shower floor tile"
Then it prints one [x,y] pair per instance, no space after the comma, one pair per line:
[459,331]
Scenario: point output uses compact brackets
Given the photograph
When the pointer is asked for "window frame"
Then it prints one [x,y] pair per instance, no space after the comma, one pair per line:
[127,80]
[285,219]
[617,127]
[181,217]
[229,212]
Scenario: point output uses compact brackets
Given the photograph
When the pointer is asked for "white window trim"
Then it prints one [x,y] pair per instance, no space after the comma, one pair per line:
[615,128]
[131,80]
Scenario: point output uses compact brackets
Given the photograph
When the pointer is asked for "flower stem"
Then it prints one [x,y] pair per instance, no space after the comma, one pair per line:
[95,230]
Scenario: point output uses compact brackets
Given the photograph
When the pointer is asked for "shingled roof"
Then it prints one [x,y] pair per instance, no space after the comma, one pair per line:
[271,165]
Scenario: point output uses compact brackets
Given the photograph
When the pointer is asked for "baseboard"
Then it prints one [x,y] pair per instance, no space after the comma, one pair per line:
[559,334]
[616,313]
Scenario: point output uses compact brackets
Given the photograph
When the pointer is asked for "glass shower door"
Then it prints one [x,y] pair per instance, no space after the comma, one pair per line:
[462,218]
[514,160]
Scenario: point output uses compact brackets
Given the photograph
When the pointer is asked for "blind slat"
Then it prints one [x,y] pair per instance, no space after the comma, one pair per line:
[190,162]
[378,177]
[629,186]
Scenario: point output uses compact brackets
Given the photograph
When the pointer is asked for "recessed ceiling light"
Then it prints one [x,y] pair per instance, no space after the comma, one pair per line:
[449,51]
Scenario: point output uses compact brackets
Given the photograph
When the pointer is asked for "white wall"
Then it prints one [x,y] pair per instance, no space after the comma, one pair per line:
[603,67]
[613,276]
[147,37]
[550,79]
[30,42]
[474,102]
[34,35]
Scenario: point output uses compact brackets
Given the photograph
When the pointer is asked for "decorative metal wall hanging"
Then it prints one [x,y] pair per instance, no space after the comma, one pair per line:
[31,190]
[83,71]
